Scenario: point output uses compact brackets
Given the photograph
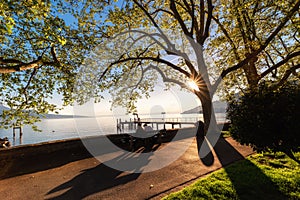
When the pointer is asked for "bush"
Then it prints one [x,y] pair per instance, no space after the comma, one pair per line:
[267,119]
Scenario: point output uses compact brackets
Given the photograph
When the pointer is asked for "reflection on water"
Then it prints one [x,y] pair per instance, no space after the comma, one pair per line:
[56,129]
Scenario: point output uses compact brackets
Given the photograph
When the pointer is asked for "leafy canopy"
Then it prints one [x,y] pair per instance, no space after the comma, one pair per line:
[242,28]
[43,44]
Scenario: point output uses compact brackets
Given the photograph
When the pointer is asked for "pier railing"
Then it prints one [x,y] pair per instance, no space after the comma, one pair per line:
[185,119]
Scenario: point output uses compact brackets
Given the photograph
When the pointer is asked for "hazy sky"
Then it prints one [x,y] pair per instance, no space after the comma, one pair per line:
[170,101]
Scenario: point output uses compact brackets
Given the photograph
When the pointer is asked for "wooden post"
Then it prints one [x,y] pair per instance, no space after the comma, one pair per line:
[117,126]
[122,124]
[14,131]
[130,124]
[119,129]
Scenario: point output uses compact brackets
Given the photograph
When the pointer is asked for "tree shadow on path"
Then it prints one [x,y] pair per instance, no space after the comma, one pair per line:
[99,178]
[257,185]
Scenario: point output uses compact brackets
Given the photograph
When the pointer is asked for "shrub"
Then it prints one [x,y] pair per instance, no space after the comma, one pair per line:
[267,119]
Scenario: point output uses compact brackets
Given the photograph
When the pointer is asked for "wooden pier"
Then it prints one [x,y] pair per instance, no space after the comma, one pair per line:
[159,123]
[155,123]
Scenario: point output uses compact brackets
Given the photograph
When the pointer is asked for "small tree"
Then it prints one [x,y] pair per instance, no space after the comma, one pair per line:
[43,44]
[267,119]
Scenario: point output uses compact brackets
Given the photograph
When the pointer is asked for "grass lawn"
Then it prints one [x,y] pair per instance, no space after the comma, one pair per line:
[226,134]
[259,176]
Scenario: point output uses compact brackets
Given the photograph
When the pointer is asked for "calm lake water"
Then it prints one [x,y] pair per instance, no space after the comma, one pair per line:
[56,129]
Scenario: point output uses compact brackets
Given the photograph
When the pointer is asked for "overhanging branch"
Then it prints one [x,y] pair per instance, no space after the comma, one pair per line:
[21,66]
[164,77]
[14,65]
[158,60]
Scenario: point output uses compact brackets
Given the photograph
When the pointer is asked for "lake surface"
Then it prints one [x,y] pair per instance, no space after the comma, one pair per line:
[56,129]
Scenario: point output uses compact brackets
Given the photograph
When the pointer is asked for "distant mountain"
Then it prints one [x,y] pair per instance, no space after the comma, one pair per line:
[219,107]
[197,110]
[57,116]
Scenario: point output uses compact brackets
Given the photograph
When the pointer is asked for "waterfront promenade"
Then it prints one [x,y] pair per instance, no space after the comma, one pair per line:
[89,179]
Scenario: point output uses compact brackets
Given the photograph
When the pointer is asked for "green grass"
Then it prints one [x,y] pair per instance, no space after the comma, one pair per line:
[268,176]
[225,134]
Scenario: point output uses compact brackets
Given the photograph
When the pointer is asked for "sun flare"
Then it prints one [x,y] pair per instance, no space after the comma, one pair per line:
[193,85]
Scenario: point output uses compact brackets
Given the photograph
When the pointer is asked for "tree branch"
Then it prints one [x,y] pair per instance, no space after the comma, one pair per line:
[194,19]
[208,21]
[282,62]
[281,25]
[14,65]
[287,74]
[151,35]
[228,37]
[53,53]
[161,10]
[28,83]
[19,67]
[158,60]
[153,22]
[179,19]
[9,61]
[164,77]
[267,58]
[239,15]
[202,15]
[134,86]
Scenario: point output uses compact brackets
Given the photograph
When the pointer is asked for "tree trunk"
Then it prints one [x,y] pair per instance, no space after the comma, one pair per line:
[210,132]
[251,73]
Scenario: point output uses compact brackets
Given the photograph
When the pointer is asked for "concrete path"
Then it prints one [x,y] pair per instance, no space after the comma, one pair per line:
[90,179]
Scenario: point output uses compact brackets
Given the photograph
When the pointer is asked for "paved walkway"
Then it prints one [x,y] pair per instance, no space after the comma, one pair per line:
[90,179]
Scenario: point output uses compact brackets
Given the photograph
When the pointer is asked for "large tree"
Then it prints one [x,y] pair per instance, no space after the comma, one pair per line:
[153,33]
